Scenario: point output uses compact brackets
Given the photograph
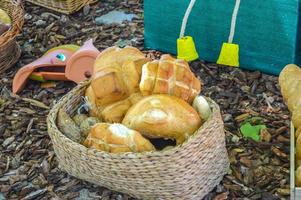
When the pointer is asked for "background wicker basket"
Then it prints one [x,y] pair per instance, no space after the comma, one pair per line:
[9,48]
[188,171]
[63,6]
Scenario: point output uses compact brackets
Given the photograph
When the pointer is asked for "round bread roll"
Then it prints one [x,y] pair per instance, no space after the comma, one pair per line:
[163,116]
[117,138]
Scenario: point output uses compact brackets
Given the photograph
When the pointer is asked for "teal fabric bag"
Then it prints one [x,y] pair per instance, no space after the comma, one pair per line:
[267,31]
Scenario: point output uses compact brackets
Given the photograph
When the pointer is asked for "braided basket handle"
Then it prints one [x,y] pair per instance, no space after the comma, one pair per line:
[185,18]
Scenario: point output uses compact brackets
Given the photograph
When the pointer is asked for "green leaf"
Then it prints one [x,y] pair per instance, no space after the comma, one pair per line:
[253,132]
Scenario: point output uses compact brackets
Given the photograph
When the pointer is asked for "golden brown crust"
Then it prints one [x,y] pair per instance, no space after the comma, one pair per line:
[170,76]
[116,138]
[114,113]
[290,83]
[288,79]
[115,56]
[148,77]
[116,76]
[131,74]
[108,86]
[163,116]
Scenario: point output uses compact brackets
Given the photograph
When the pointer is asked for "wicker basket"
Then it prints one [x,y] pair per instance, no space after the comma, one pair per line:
[9,48]
[63,6]
[189,171]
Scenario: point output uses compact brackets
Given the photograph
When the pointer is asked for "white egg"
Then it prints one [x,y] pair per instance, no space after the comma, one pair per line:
[202,106]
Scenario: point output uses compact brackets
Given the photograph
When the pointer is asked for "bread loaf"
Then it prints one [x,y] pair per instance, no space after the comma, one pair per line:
[163,116]
[290,83]
[108,86]
[115,112]
[169,76]
[115,56]
[116,76]
[289,80]
[116,138]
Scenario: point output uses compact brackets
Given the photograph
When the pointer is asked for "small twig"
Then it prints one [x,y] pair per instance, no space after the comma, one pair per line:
[36,103]
[242,185]
[29,125]
[7,164]
[270,107]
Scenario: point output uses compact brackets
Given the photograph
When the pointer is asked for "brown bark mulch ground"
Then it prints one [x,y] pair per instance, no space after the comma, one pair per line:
[28,166]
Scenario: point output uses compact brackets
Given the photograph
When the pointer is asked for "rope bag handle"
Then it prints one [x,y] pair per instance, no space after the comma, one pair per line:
[233,21]
[186,16]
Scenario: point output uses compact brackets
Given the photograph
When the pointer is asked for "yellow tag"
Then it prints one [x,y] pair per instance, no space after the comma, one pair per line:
[229,55]
[186,49]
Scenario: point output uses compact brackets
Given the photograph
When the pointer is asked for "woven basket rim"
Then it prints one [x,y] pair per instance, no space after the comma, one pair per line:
[12,50]
[65,7]
[51,121]
[16,25]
